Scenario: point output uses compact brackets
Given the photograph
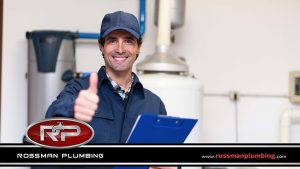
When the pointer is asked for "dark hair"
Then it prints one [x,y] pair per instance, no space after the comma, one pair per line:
[101,41]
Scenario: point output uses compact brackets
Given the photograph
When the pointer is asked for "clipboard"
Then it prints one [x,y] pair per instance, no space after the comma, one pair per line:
[160,129]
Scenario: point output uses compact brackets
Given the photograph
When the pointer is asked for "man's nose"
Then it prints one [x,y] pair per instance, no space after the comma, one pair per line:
[120,48]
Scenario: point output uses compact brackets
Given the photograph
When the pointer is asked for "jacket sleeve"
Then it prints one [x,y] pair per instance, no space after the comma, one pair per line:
[63,106]
[162,108]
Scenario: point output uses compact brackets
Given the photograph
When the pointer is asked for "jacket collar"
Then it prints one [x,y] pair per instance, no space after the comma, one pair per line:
[136,85]
[137,88]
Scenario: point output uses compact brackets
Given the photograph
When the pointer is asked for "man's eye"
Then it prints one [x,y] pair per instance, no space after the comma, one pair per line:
[128,41]
[112,40]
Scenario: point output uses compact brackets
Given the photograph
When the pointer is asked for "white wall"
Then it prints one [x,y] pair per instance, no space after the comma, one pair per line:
[21,16]
[243,45]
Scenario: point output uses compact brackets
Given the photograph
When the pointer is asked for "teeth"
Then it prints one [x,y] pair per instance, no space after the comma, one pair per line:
[119,59]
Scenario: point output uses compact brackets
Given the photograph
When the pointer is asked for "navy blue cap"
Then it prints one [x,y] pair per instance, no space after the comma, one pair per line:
[120,20]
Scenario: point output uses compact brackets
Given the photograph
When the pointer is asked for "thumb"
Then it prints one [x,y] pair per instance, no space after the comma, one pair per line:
[93,82]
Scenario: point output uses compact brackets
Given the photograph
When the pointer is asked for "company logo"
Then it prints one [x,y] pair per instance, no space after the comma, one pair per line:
[60,133]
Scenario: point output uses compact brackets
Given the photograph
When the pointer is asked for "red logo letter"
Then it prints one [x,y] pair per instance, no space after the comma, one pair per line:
[60,133]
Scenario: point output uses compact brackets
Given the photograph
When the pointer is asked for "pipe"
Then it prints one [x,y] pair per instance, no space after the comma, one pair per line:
[83,35]
[69,75]
[142,16]
[164,25]
[288,118]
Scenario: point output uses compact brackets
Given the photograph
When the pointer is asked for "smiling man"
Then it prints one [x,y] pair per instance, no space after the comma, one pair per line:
[110,100]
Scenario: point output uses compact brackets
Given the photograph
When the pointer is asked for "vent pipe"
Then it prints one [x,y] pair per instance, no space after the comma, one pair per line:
[162,60]
[164,24]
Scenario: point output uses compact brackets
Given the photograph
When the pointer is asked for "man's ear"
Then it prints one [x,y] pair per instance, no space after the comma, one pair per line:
[100,47]
[138,53]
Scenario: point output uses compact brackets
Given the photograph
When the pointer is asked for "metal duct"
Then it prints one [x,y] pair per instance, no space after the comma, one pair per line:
[162,60]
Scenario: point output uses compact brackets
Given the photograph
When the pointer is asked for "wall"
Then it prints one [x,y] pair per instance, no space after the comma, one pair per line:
[244,46]
[22,16]
[247,46]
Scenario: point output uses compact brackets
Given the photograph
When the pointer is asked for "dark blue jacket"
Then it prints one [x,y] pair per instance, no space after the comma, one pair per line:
[114,118]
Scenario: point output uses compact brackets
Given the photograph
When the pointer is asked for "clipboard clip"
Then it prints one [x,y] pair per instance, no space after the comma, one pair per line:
[168,122]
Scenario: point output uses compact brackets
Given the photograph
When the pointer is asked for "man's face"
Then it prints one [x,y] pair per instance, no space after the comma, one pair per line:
[120,50]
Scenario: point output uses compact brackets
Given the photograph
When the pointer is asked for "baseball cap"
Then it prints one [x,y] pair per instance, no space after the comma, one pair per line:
[120,20]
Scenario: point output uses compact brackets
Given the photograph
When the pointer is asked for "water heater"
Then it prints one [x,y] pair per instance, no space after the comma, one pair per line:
[51,53]
[167,75]
[182,96]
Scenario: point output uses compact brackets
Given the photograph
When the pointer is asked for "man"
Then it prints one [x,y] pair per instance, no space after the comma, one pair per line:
[110,100]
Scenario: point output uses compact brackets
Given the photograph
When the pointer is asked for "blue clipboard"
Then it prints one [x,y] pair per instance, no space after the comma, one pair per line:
[160,129]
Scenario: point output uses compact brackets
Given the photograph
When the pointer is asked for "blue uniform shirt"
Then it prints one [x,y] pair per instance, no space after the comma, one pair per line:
[115,117]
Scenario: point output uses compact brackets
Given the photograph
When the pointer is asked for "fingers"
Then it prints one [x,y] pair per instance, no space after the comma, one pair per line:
[85,96]
[85,106]
[85,110]
[93,83]
[86,103]
[83,117]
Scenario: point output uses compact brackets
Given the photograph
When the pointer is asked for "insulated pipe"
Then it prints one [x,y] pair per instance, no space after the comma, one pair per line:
[142,16]
[164,25]
[83,35]
[288,117]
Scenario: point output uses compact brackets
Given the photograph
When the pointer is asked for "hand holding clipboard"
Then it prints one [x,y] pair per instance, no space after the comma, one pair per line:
[160,129]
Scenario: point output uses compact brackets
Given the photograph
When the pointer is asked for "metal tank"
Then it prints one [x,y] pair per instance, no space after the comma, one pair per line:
[182,96]
[167,75]
[51,53]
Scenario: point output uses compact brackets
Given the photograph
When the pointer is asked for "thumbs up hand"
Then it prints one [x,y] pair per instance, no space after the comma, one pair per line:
[87,100]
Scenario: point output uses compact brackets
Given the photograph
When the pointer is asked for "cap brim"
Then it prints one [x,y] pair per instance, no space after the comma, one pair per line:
[132,32]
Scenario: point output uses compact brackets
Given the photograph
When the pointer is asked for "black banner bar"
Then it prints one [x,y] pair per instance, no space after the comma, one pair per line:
[186,154]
